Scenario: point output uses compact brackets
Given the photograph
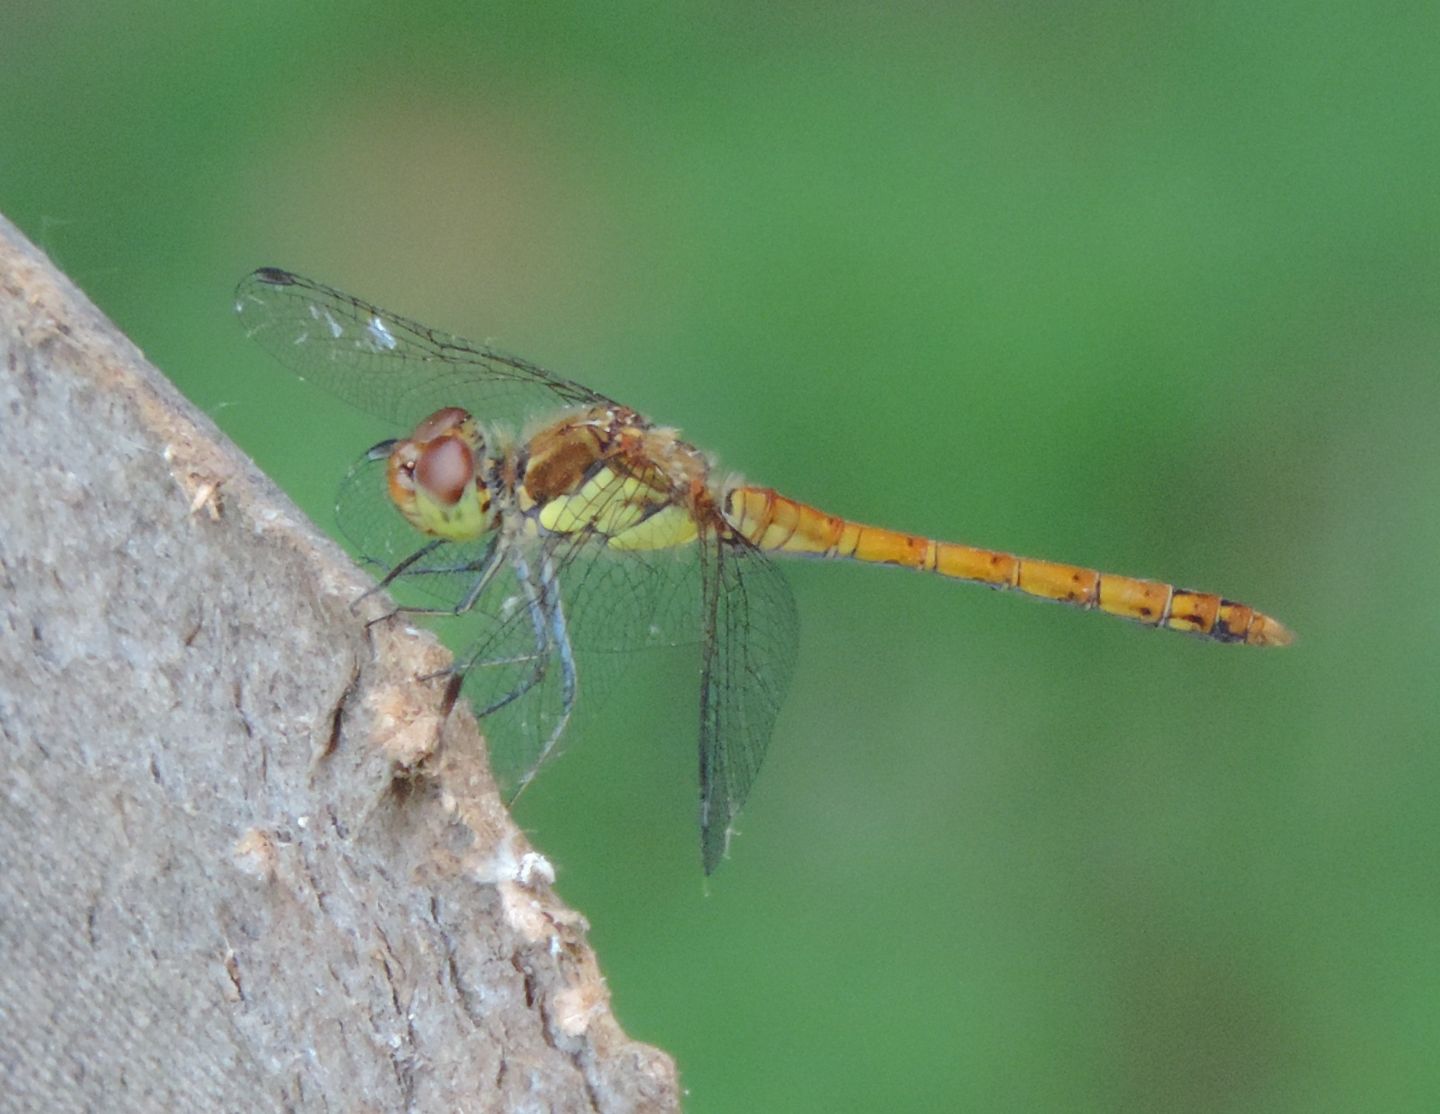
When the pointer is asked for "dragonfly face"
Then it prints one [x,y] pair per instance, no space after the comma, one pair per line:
[436,477]
[603,534]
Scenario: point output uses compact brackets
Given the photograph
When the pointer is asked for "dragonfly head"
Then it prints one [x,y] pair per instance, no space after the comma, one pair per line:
[436,477]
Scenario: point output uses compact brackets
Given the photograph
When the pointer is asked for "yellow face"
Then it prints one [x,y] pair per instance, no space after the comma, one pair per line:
[435,477]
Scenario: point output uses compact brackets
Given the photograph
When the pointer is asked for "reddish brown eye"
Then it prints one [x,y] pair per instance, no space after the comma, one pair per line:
[446,466]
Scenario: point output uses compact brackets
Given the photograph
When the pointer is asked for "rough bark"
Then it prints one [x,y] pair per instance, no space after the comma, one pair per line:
[236,870]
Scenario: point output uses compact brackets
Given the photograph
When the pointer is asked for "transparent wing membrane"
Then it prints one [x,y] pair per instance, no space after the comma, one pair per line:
[388,365]
[748,647]
[519,673]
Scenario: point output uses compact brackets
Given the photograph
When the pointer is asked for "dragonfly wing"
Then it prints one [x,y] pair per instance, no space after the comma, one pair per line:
[388,365]
[518,669]
[750,636]
[555,632]
[721,598]
[552,632]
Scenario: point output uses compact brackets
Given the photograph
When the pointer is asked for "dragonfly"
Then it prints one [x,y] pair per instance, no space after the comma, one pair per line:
[581,534]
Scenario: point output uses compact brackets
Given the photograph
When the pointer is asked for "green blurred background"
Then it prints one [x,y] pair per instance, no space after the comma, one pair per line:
[1150,287]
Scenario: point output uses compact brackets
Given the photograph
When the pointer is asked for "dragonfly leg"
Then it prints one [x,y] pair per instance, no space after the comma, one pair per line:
[390,577]
[546,602]
[487,567]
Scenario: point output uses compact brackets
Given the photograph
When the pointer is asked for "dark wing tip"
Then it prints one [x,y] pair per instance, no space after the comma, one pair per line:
[274,276]
[714,839]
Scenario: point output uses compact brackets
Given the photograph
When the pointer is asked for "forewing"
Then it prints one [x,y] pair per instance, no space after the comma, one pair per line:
[750,636]
[388,365]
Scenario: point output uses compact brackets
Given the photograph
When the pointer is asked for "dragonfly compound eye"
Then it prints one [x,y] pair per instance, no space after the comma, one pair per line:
[445,469]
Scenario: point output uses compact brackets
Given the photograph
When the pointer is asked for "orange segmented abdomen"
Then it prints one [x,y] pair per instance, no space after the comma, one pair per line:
[778,524]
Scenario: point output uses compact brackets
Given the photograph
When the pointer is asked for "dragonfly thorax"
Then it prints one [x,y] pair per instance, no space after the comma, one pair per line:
[437,477]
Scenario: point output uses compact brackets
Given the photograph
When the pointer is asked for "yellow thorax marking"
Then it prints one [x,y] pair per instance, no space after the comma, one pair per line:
[665,529]
[617,505]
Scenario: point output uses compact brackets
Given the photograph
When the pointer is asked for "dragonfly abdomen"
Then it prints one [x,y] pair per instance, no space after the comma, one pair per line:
[779,524]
